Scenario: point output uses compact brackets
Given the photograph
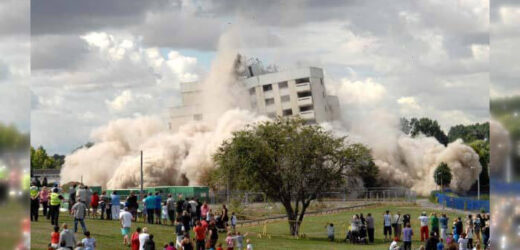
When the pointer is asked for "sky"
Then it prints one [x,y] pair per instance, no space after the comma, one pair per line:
[15,64]
[95,61]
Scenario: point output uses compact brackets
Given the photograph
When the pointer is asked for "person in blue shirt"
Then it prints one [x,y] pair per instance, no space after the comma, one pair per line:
[440,245]
[116,205]
[158,204]
[150,207]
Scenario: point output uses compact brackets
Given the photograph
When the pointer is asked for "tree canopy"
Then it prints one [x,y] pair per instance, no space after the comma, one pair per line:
[12,139]
[469,133]
[427,127]
[442,175]
[41,160]
[290,162]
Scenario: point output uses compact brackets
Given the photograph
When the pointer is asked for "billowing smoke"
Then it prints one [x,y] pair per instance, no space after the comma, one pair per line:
[182,157]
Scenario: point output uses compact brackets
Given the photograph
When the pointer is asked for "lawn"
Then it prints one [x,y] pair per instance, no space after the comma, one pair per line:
[108,235]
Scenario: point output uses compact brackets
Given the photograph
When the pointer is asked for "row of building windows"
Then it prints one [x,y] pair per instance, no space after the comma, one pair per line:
[281,85]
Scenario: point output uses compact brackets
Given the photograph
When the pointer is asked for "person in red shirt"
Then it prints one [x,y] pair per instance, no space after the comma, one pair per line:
[55,237]
[135,239]
[204,224]
[200,236]
[94,203]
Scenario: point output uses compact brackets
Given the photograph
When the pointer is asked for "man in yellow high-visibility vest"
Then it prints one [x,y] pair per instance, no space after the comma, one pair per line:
[35,202]
[55,203]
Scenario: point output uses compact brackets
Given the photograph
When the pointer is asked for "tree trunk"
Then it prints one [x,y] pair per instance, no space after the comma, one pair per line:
[294,226]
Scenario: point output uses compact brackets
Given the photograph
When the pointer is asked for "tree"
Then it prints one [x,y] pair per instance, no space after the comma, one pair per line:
[469,133]
[428,127]
[41,160]
[481,147]
[289,161]
[442,175]
[11,139]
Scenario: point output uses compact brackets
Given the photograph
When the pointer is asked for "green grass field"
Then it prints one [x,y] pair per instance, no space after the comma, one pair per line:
[108,236]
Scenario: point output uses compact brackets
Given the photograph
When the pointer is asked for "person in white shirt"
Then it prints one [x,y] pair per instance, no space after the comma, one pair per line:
[387,225]
[249,245]
[143,237]
[424,226]
[398,225]
[463,242]
[89,243]
[126,218]
[394,245]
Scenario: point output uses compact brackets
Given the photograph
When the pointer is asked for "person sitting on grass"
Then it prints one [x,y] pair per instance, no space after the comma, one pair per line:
[79,246]
[169,246]
[55,238]
[67,236]
[89,243]
[249,244]
[219,247]
[186,243]
[149,244]
[330,231]
[63,246]
[394,245]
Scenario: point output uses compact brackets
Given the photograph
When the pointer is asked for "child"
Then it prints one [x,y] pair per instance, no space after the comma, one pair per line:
[230,241]
[249,245]
[219,246]
[330,231]
[233,221]
[55,238]
[240,240]
[164,213]
[169,246]
[89,243]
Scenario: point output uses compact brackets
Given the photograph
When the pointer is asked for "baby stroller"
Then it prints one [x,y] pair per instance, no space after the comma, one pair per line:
[219,223]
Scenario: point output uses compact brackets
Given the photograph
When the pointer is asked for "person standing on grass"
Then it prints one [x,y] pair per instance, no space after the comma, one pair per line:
[79,210]
[398,225]
[387,225]
[68,237]
[150,207]
[143,237]
[94,203]
[149,244]
[72,196]
[103,201]
[116,205]
[213,234]
[35,202]
[330,231]
[370,227]
[179,232]
[230,241]
[233,221]
[55,237]
[55,206]
[431,243]
[44,200]
[158,206]
[424,226]
[469,234]
[186,243]
[434,221]
[133,205]
[407,237]
[126,223]
[204,209]
[135,239]
[170,204]
[478,227]
[200,236]
[443,222]
[164,213]
[88,199]
[463,242]
[89,243]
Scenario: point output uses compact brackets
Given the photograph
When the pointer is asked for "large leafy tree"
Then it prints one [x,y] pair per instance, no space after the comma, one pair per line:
[428,127]
[442,175]
[469,133]
[290,162]
[11,139]
[481,147]
[41,160]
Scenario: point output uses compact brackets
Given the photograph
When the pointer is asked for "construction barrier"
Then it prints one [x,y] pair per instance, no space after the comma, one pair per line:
[462,203]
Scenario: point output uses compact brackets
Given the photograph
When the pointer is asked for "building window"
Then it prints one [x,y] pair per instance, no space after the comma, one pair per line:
[305,108]
[197,117]
[304,94]
[285,98]
[287,112]
[252,91]
[302,80]
[283,85]
[267,87]
[269,101]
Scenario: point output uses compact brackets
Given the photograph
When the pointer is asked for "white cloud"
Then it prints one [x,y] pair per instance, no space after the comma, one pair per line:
[365,92]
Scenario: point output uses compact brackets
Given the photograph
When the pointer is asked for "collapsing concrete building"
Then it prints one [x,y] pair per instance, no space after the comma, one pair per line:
[270,92]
